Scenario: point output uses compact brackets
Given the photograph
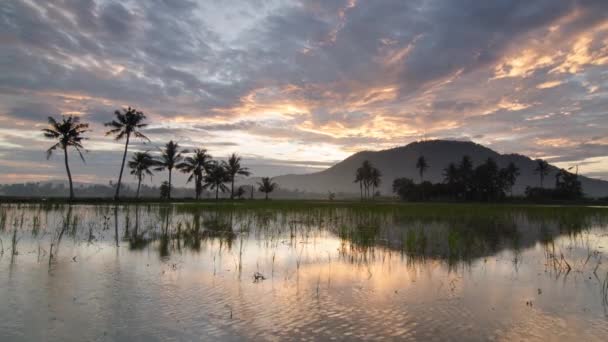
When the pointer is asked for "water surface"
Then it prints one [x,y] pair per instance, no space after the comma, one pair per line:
[183,272]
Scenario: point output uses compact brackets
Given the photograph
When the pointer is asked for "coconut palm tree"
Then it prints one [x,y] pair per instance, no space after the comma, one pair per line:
[215,178]
[170,157]
[450,174]
[422,166]
[196,165]
[141,164]
[511,172]
[359,179]
[542,169]
[267,186]
[68,132]
[375,179]
[233,168]
[127,123]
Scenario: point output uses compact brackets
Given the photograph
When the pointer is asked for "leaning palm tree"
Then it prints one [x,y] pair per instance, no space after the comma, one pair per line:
[68,132]
[141,164]
[127,123]
[233,168]
[422,166]
[267,186]
[542,168]
[196,165]
[170,157]
[215,178]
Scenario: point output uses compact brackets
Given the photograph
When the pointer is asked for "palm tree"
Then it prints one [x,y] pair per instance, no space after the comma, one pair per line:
[511,174]
[359,179]
[68,132]
[542,168]
[215,178]
[375,180]
[365,172]
[170,157]
[233,168]
[422,166]
[127,122]
[267,186]
[196,165]
[450,174]
[140,165]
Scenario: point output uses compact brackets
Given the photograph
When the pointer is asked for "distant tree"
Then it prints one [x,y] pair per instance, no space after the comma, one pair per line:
[422,166]
[233,168]
[196,166]
[170,157]
[68,132]
[165,190]
[215,178]
[240,192]
[542,169]
[509,175]
[331,195]
[450,174]
[365,177]
[404,188]
[487,183]
[465,175]
[375,179]
[267,186]
[359,179]
[127,122]
[141,164]
[567,185]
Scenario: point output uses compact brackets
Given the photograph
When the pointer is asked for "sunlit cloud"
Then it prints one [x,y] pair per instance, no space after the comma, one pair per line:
[311,80]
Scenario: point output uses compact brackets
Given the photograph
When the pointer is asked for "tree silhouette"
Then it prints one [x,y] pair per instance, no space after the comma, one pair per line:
[450,174]
[165,190]
[375,179]
[215,178]
[510,174]
[68,132]
[367,176]
[542,169]
[422,166]
[170,157]
[196,165]
[140,165]
[267,186]
[127,123]
[359,178]
[233,168]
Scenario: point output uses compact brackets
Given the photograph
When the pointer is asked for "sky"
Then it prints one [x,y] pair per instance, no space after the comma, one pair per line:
[296,86]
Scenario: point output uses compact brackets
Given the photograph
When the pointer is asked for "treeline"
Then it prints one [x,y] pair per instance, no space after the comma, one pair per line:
[202,170]
[464,181]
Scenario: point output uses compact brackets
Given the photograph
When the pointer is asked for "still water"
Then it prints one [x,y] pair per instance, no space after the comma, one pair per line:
[182,272]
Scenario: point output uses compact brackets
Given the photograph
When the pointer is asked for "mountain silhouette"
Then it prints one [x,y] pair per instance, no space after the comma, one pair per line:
[401,162]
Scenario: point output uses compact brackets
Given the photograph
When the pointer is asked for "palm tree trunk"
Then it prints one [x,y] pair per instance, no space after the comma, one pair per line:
[67,168]
[138,186]
[197,187]
[170,183]
[361,189]
[122,166]
[232,189]
[266,196]
[217,192]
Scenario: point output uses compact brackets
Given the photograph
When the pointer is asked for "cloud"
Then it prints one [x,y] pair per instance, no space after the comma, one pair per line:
[335,76]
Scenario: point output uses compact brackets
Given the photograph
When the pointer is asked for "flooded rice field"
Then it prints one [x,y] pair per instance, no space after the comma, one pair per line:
[202,272]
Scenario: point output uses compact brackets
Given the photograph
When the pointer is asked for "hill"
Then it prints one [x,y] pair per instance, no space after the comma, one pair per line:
[401,161]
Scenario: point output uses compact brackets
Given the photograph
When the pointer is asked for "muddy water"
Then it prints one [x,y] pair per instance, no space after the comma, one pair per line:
[145,273]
